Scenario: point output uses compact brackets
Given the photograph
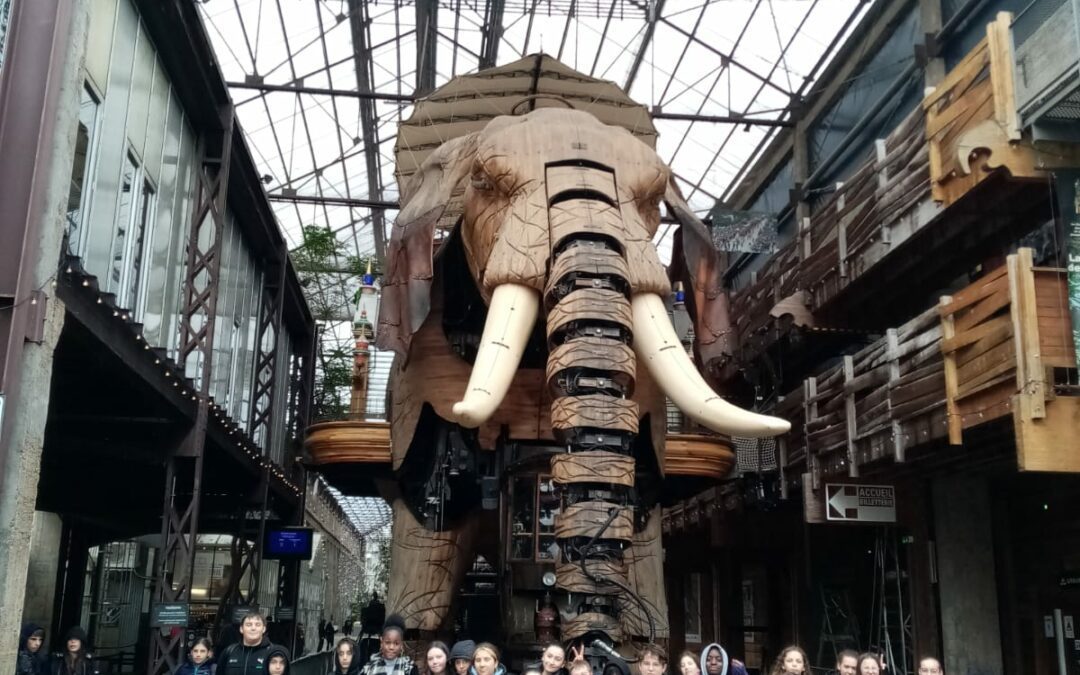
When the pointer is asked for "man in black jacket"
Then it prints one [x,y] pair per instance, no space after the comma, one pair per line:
[250,655]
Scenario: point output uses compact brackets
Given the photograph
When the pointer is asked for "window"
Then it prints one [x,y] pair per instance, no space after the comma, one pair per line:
[133,216]
[5,25]
[81,187]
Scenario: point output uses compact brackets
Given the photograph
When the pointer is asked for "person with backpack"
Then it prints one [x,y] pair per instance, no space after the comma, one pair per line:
[247,657]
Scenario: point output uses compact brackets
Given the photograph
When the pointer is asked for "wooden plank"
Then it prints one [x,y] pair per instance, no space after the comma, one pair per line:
[983,379]
[986,343]
[934,382]
[971,371]
[1034,387]
[990,403]
[983,310]
[1001,325]
[987,285]
[1049,443]
[948,330]
[916,405]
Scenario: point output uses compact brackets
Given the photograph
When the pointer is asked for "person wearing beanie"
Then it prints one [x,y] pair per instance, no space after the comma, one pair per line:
[461,655]
[76,658]
[391,658]
[31,658]
[346,658]
[277,661]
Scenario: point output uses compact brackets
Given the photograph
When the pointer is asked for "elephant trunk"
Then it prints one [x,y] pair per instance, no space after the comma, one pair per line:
[590,373]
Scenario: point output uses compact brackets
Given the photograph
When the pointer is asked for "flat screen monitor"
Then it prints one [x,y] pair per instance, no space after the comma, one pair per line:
[288,543]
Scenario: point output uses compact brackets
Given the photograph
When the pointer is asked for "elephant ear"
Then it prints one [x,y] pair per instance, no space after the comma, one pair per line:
[700,267]
[431,198]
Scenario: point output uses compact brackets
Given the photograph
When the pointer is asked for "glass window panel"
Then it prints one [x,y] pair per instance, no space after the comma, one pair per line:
[126,205]
[181,226]
[155,125]
[5,24]
[80,188]
[142,234]
[142,80]
[157,272]
[112,151]
[99,41]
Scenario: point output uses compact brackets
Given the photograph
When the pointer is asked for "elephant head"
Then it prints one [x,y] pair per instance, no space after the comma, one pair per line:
[556,209]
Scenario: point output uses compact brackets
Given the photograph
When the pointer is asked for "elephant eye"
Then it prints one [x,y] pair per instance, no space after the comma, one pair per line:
[480,181]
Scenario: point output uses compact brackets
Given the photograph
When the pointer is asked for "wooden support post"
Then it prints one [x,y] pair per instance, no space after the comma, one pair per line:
[948,331]
[849,416]
[1030,375]
[881,152]
[930,21]
[810,408]
[892,341]
[841,233]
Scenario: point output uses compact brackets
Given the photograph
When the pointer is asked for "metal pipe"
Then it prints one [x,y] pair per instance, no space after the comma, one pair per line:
[322,91]
[722,119]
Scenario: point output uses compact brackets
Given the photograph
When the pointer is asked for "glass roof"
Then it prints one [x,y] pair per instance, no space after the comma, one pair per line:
[301,74]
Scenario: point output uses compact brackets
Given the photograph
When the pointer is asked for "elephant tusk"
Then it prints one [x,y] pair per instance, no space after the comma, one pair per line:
[511,316]
[667,361]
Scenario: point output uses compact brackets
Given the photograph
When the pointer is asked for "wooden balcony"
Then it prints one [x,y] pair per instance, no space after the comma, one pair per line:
[352,453]
[999,349]
[957,176]
[1008,351]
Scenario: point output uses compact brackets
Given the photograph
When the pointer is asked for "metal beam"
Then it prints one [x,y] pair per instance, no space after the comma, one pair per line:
[376,205]
[726,58]
[722,119]
[652,15]
[295,89]
[427,45]
[359,24]
[492,33]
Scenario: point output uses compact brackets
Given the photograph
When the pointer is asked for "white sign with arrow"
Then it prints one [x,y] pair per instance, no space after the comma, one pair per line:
[860,503]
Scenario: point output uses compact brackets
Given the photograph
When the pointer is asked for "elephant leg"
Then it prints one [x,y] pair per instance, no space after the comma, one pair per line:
[426,568]
[645,565]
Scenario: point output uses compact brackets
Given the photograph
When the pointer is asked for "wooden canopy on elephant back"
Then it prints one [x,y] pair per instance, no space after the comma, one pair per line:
[468,102]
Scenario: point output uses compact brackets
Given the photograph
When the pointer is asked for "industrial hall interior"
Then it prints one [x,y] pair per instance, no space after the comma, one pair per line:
[540,337]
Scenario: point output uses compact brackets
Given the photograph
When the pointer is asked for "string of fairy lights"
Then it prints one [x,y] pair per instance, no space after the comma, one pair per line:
[173,372]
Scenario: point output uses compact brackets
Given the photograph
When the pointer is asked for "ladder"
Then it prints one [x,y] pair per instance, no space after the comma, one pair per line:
[891,627]
[839,625]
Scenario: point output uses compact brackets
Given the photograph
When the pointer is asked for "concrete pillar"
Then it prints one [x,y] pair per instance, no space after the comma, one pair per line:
[41,572]
[967,586]
[28,405]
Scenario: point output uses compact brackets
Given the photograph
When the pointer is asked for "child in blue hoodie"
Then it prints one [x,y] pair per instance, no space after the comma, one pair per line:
[200,659]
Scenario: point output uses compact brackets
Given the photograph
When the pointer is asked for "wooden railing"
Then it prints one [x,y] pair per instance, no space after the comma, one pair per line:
[1000,347]
[872,404]
[1005,338]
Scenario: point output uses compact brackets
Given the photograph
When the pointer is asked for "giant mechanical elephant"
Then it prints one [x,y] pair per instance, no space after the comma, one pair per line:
[522,291]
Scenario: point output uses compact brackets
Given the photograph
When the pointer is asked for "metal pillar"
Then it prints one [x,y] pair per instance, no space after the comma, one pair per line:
[427,48]
[359,23]
[262,409]
[180,522]
[492,33]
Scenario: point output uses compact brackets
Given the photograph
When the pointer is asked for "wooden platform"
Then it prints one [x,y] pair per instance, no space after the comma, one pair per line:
[338,444]
[989,354]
